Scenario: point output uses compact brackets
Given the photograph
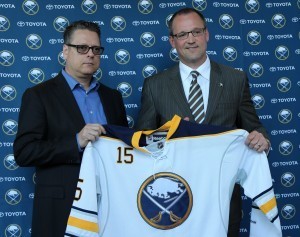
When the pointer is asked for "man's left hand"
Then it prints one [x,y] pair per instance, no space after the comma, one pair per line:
[257,141]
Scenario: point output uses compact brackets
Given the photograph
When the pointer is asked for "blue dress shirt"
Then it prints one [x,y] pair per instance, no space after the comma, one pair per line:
[89,101]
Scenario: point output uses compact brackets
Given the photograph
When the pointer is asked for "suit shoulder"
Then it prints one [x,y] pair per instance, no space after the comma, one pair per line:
[164,74]
[228,69]
[44,86]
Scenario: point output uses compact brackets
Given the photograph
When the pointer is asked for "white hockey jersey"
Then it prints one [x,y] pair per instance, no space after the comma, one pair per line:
[177,185]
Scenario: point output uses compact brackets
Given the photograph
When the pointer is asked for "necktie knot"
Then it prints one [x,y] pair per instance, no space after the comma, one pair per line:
[195,74]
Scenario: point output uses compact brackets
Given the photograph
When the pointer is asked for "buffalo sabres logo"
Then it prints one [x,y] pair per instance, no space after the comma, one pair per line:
[253,37]
[286,148]
[60,23]
[165,200]
[13,230]
[282,52]
[34,41]
[98,74]
[256,69]
[252,6]
[278,21]
[10,163]
[13,196]
[122,56]
[89,6]
[284,84]
[288,179]
[4,23]
[118,23]
[10,127]
[130,121]
[145,6]
[30,7]
[258,101]
[125,89]
[288,211]
[8,92]
[168,19]
[285,116]
[226,21]
[174,55]
[149,70]
[6,58]
[199,5]
[147,39]
[230,53]
[61,58]
[36,75]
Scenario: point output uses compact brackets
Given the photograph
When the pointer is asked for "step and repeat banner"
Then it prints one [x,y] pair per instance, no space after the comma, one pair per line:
[259,37]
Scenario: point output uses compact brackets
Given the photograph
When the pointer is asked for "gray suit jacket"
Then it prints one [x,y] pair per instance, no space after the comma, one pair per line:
[229,102]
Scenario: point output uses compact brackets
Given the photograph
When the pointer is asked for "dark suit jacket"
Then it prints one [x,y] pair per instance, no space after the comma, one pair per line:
[49,120]
[229,104]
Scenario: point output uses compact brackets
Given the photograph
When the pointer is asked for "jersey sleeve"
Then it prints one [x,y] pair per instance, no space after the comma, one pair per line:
[255,178]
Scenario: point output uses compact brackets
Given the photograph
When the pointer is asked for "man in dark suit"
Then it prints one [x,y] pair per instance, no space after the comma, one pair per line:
[57,120]
[225,92]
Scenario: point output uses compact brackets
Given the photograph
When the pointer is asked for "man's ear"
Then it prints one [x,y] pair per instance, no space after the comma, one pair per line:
[171,40]
[65,51]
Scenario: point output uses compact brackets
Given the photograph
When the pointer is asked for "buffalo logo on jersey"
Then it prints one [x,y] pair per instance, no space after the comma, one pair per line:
[165,200]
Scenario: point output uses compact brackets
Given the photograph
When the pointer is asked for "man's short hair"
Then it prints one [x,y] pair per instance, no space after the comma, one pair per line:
[80,25]
[184,11]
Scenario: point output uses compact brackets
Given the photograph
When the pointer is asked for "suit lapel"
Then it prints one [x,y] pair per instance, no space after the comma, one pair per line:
[215,90]
[68,101]
[177,92]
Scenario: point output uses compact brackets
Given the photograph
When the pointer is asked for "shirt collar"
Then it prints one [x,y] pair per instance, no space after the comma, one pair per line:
[73,84]
[203,69]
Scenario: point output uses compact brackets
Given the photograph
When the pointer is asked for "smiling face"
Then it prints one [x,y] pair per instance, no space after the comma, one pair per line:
[82,66]
[191,51]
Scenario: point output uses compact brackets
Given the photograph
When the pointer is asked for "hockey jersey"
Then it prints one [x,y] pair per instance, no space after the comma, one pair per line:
[171,182]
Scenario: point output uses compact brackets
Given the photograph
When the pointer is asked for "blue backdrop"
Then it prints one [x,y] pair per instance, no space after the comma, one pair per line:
[258,37]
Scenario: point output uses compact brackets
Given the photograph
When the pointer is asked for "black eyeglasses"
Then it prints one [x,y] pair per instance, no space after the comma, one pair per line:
[84,49]
[185,35]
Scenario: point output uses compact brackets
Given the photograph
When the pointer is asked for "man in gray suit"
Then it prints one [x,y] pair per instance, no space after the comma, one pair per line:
[225,91]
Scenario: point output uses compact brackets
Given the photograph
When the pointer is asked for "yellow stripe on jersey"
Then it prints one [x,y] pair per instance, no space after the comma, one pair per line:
[268,206]
[82,224]
[170,126]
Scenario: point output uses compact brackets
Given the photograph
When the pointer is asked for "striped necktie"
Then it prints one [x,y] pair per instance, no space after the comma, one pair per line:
[196,99]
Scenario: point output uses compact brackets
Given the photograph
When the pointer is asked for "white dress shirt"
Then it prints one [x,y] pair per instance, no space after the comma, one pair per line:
[203,79]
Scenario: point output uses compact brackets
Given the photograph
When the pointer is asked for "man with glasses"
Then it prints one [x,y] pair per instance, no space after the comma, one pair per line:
[199,89]
[57,120]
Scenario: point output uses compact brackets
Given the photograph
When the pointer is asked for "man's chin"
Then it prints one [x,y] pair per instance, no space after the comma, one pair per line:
[89,72]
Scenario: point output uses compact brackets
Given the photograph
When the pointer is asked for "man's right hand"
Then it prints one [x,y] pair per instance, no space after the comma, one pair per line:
[90,132]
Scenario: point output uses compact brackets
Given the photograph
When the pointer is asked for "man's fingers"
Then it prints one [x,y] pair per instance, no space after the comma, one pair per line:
[257,141]
[90,132]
